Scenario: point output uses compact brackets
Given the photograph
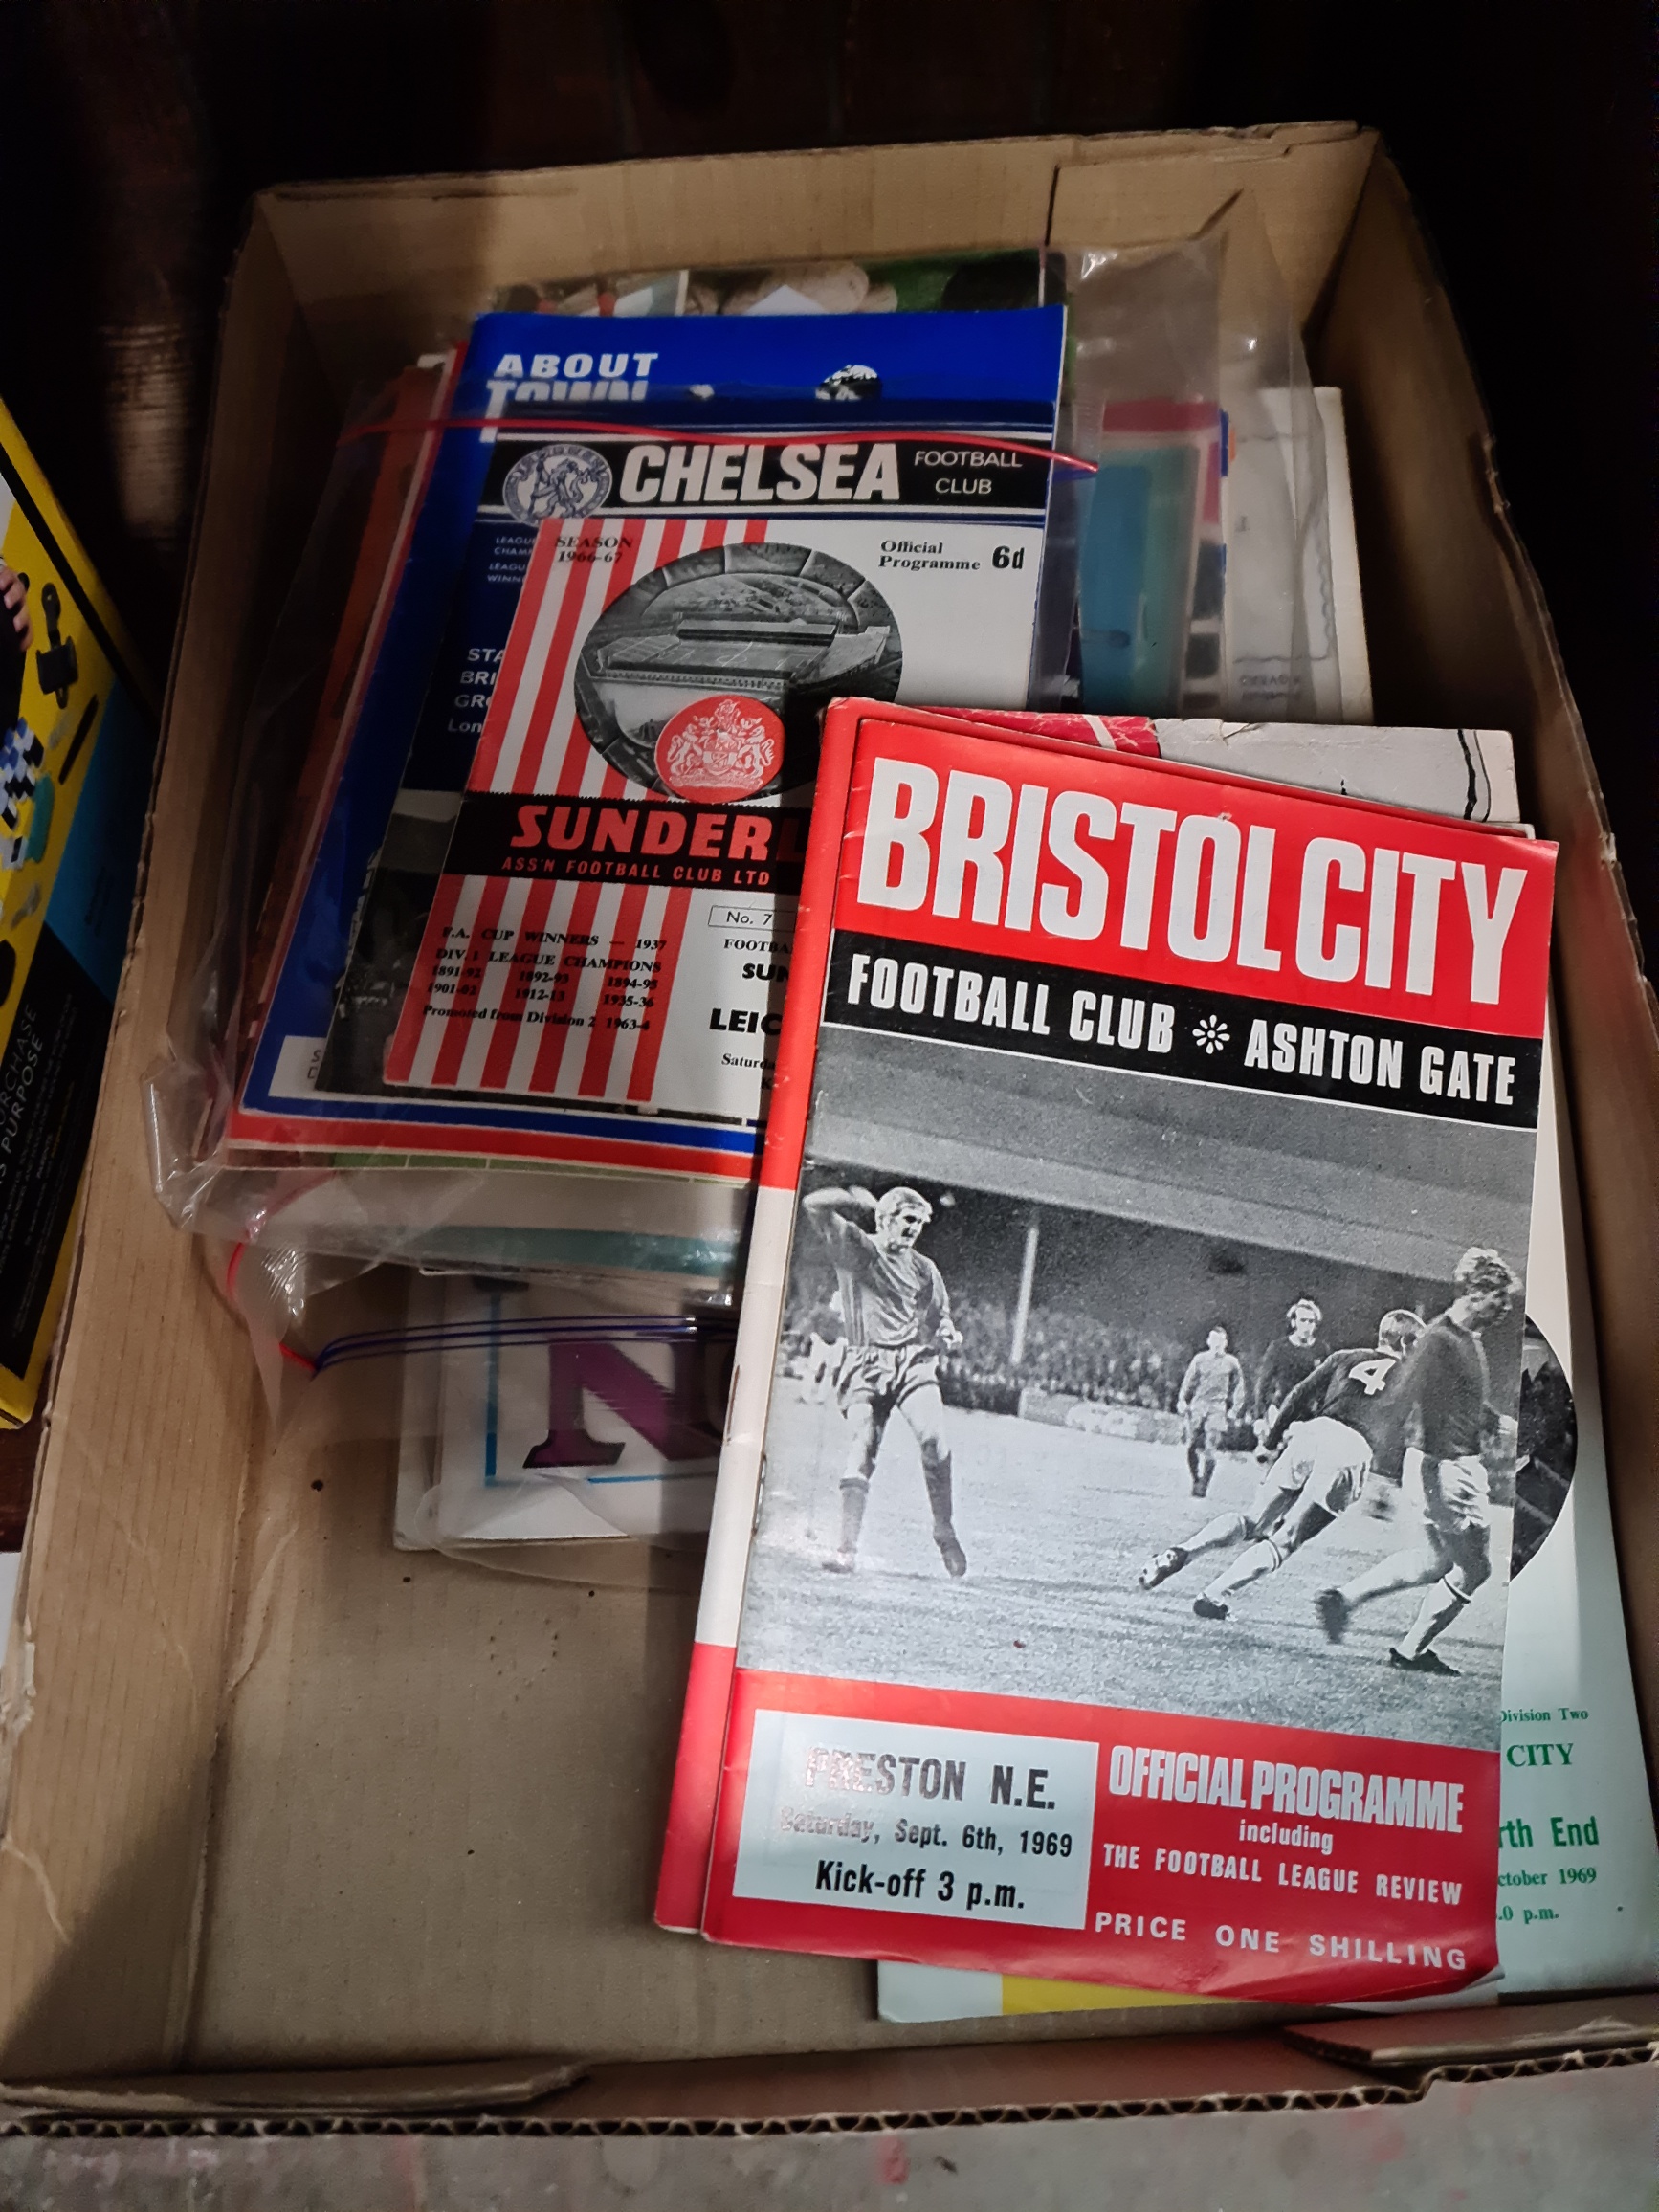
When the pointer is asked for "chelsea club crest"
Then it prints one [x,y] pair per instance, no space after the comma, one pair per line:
[556,479]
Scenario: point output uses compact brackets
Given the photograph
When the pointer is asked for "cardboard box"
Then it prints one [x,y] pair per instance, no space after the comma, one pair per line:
[285,1801]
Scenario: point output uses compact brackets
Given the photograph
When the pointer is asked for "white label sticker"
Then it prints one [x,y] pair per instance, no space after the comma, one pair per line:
[889,1817]
[297,1065]
[752,920]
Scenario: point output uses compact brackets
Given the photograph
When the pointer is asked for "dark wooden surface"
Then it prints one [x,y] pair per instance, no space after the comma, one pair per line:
[137,129]
[19,1447]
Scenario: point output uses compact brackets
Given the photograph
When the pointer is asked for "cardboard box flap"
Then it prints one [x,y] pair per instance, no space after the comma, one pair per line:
[420,255]
[1459,633]
[971,2082]
[1483,2036]
[1306,187]
[407,2090]
[109,1707]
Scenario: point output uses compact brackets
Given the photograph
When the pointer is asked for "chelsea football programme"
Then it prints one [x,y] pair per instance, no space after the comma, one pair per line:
[550,910]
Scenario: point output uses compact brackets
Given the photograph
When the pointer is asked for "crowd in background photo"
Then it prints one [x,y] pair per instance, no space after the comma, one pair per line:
[1071,1354]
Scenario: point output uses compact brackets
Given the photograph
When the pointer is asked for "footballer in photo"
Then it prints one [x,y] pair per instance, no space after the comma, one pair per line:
[1157,1395]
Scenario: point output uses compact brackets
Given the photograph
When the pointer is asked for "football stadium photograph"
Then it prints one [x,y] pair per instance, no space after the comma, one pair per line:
[1142,1392]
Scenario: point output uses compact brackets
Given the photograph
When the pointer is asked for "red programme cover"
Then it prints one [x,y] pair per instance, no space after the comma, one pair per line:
[691,1820]
[1198,1039]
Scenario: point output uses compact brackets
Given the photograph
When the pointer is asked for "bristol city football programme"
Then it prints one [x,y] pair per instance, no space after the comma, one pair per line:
[1135,1126]
[550,898]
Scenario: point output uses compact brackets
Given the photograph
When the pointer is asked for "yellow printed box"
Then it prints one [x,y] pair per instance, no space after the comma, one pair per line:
[78,733]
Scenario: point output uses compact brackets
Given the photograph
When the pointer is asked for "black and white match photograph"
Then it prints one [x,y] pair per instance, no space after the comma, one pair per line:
[1146,1393]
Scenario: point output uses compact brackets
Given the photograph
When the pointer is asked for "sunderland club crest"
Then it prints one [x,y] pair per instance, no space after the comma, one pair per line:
[707,677]
[720,750]
[556,479]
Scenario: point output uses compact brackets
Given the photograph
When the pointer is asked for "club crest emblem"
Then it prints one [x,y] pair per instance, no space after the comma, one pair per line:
[720,750]
[556,479]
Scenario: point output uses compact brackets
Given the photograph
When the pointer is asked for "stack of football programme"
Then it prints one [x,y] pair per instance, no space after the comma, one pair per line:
[1004,1678]
[549,895]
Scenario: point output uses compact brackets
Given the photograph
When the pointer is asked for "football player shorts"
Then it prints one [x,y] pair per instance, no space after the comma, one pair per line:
[1327,1461]
[1456,1494]
[885,1374]
[1207,1426]
[1281,1481]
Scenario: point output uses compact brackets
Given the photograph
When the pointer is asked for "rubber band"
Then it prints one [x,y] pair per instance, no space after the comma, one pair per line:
[591,428]
[468,1336]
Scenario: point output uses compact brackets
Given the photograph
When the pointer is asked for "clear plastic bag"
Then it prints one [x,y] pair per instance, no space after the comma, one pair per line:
[1276,516]
[294,731]
[1174,347]
[313,853]
[524,1426]
[539,1428]
[1197,556]
[317,1216]
[1147,412]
